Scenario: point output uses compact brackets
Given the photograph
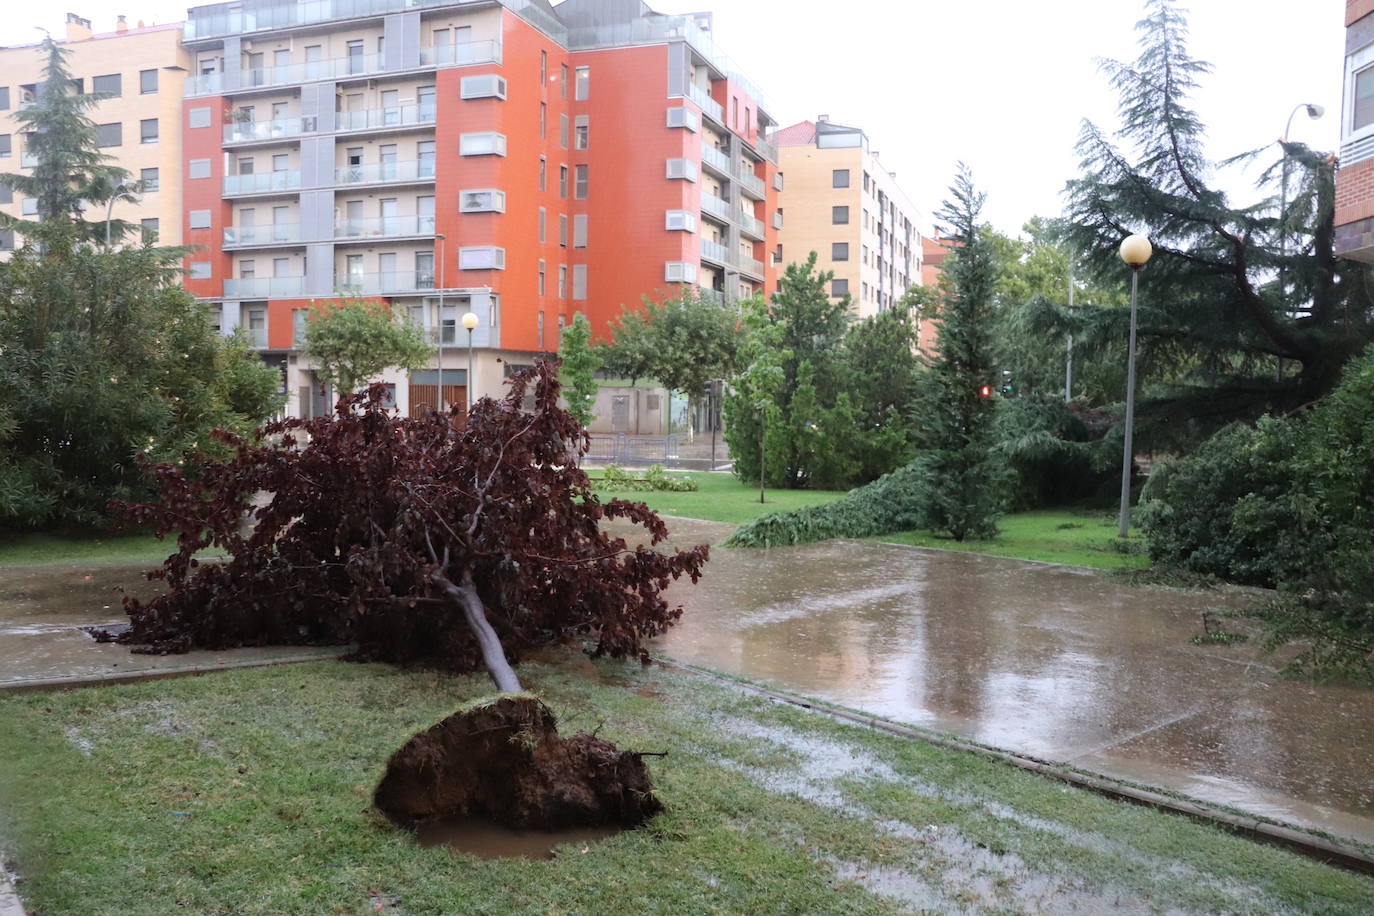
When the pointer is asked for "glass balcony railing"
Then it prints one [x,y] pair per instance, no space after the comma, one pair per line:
[262,181]
[751,266]
[263,287]
[714,251]
[709,106]
[753,184]
[392,116]
[713,205]
[461,53]
[384,226]
[257,337]
[261,15]
[766,150]
[750,224]
[398,281]
[715,159]
[262,235]
[242,131]
[415,170]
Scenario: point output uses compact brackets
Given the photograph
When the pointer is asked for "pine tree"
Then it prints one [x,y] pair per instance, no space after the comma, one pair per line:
[1232,292]
[965,482]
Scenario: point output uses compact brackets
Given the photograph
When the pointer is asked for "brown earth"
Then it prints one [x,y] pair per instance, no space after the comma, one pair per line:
[505,761]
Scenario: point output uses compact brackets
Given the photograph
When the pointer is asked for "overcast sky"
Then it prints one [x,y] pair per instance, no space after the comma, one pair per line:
[1002,85]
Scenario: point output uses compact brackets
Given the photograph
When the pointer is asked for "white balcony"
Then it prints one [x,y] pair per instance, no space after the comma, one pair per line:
[392,116]
[386,283]
[241,236]
[384,227]
[384,172]
[716,160]
[245,131]
[461,54]
[263,287]
[713,205]
[259,182]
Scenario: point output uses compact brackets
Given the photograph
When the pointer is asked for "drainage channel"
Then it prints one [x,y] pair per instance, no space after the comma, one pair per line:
[1322,849]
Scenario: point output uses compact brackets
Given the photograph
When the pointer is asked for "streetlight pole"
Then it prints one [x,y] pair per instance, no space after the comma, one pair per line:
[470,321]
[1314,111]
[442,284]
[1135,251]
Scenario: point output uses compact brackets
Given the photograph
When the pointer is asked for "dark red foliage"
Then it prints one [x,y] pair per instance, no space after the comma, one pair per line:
[376,522]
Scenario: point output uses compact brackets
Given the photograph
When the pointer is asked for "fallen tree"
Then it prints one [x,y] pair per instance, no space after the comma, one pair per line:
[415,542]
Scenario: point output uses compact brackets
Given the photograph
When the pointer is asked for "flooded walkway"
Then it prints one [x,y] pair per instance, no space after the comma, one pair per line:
[1056,662]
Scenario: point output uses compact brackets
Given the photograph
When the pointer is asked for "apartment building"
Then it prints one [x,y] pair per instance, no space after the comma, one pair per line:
[513,159]
[142,70]
[841,203]
[1355,180]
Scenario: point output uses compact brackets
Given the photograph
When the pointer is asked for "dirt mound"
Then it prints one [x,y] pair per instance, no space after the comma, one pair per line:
[505,761]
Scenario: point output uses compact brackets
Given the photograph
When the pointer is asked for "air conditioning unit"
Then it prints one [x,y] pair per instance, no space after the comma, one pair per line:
[679,272]
[680,220]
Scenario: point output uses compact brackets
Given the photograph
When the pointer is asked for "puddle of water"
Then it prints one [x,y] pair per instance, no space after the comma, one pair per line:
[486,840]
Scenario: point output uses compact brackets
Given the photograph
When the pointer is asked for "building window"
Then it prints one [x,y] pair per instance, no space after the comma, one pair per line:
[839,251]
[563,81]
[541,283]
[543,225]
[29,206]
[107,85]
[543,173]
[839,288]
[147,130]
[198,219]
[579,290]
[563,181]
[1363,109]
[4,97]
[5,149]
[149,227]
[543,68]
[562,230]
[839,216]
[482,86]
[580,129]
[6,194]
[198,168]
[539,330]
[562,281]
[109,134]
[580,183]
[563,131]
[147,81]
[543,119]
[583,85]
[485,143]
[482,200]
[839,178]
[579,230]
[198,117]
[198,270]
[6,239]
[149,179]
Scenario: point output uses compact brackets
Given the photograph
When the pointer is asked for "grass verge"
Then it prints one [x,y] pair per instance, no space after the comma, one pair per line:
[722,498]
[79,549]
[249,792]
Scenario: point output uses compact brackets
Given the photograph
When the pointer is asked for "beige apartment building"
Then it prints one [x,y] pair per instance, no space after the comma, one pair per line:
[143,69]
[840,202]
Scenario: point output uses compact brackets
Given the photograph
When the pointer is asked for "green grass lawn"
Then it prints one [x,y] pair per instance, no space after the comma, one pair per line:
[1080,538]
[64,549]
[250,792]
[722,498]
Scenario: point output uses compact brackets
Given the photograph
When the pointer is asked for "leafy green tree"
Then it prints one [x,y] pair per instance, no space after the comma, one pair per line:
[810,331]
[683,342]
[351,342]
[578,375]
[880,373]
[103,356]
[752,400]
[965,480]
[1232,289]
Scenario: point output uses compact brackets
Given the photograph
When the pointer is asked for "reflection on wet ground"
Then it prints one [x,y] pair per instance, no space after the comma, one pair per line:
[1057,662]
[492,841]
[42,610]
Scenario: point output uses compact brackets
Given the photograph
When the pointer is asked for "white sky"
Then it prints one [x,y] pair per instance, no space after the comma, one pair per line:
[1000,84]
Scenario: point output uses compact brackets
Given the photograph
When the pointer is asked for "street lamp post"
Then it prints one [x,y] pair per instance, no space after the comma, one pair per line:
[442,284]
[1314,111]
[469,322]
[1135,251]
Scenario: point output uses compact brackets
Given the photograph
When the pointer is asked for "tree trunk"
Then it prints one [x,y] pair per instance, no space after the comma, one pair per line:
[493,655]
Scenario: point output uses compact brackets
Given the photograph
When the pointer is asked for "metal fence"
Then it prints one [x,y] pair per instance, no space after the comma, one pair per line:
[624,449]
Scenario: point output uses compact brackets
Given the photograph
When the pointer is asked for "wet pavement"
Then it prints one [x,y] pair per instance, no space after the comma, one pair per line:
[1057,662]
[42,610]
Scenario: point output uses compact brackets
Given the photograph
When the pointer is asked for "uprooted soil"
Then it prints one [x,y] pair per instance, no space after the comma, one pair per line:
[505,761]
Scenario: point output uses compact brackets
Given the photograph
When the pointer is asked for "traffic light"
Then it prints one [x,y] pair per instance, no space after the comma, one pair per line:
[985,391]
[1007,386]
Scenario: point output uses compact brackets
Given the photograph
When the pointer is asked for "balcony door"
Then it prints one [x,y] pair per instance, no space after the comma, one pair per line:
[386,265]
[390,213]
[424,209]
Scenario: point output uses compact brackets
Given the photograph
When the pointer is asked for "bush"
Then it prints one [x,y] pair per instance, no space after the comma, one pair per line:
[614,477]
